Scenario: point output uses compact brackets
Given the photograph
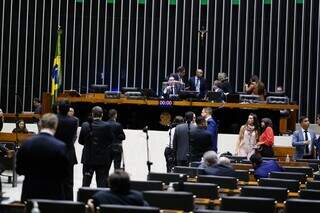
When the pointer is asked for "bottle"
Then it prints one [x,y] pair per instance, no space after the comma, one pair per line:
[170,187]
[35,208]
[287,158]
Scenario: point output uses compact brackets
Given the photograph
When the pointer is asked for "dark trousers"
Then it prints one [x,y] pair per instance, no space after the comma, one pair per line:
[68,184]
[102,173]
[116,156]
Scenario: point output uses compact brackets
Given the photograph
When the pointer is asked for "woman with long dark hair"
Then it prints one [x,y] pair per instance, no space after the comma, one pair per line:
[266,138]
[248,137]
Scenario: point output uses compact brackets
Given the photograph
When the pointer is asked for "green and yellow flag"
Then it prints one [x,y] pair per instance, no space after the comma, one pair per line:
[57,68]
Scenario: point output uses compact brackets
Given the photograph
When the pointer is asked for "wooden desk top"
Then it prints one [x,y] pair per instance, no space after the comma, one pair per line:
[13,137]
[100,98]
[27,117]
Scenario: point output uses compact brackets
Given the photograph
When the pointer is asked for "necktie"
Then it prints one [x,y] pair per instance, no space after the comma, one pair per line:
[306,138]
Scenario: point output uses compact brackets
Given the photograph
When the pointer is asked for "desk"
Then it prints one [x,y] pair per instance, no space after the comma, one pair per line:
[27,117]
[17,139]
[285,123]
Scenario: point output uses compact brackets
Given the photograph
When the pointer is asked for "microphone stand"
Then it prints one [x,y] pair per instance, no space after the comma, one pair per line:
[149,163]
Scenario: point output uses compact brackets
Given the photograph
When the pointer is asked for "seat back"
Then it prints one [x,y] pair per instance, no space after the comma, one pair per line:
[216,211]
[127,209]
[302,205]
[301,177]
[313,185]
[221,181]
[310,194]
[279,194]
[166,177]
[12,208]
[146,185]
[190,171]
[250,204]
[85,193]
[291,185]
[306,170]
[195,164]
[316,177]
[170,200]
[54,206]
[200,190]
[237,159]
[242,175]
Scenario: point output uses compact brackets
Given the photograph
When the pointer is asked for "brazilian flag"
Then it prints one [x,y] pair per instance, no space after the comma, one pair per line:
[57,68]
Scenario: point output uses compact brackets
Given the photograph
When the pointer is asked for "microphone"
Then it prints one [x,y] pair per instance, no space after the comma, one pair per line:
[145,129]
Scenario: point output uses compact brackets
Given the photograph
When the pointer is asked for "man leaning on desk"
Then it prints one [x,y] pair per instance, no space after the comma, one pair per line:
[305,141]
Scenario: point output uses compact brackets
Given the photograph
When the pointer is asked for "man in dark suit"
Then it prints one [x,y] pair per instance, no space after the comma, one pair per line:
[119,135]
[67,133]
[96,137]
[179,75]
[119,193]
[43,161]
[198,83]
[305,140]
[180,140]
[200,139]
[211,127]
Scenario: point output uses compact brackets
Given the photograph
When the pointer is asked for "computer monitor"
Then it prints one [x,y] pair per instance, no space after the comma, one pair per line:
[98,88]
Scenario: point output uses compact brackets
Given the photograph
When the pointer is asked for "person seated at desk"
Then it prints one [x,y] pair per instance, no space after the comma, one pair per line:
[263,168]
[225,85]
[120,192]
[20,127]
[214,166]
[198,83]
[173,88]
[255,87]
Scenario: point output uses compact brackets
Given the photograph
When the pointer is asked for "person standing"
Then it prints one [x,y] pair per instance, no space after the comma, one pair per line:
[305,140]
[67,133]
[180,140]
[37,106]
[200,139]
[1,119]
[266,138]
[211,127]
[97,138]
[43,160]
[116,148]
[248,137]
[198,83]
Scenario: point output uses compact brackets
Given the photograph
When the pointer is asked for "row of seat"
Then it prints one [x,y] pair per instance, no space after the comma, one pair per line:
[155,198]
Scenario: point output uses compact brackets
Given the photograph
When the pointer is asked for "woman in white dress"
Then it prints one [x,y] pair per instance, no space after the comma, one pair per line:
[248,137]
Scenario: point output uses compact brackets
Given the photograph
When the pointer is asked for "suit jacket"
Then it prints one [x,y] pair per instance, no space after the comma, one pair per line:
[134,198]
[213,129]
[43,161]
[298,139]
[180,141]
[218,170]
[263,170]
[67,133]
[117,131]
[96,144]
[203,86]
[177,88]
[200,142]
